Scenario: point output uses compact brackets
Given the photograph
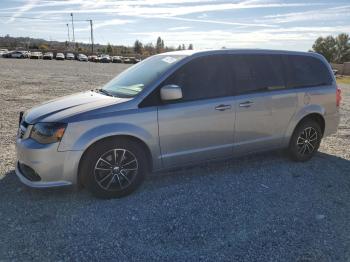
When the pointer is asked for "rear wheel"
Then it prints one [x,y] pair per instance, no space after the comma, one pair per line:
[114,168]
[305,140]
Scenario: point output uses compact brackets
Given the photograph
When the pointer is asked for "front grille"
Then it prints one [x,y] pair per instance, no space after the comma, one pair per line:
[28,172]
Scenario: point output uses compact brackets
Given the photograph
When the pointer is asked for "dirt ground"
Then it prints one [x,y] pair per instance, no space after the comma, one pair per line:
[25,83]
[256,208]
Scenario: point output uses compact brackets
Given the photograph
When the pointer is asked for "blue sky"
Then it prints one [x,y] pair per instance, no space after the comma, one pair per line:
[272,24]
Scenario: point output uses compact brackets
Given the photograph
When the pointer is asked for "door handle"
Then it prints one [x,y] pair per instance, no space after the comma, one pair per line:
[223,107]
[246,104]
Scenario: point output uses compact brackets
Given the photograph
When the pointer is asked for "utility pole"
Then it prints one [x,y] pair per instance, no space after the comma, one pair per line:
[92,37]
[68,33]
[71,14]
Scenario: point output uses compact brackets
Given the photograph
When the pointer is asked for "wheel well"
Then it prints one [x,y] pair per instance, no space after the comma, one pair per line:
[126,137]
[316,117]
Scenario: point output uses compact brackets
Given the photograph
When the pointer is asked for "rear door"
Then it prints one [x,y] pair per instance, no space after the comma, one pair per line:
[200,126]
[264,106]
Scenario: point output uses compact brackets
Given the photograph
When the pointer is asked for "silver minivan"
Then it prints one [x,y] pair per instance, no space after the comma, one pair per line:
[177,109]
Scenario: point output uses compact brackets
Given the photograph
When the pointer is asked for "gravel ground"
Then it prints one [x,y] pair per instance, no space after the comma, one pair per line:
[256,208]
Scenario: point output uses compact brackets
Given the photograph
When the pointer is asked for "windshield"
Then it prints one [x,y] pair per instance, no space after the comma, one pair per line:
[136,78]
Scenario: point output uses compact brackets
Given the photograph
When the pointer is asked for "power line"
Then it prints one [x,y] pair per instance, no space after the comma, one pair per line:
[41,19]
[61,21]
[31,18]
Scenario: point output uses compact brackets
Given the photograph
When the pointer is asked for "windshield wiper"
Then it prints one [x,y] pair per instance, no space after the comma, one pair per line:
[103,91]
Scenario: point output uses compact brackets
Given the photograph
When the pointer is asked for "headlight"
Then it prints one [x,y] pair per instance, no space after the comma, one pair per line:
[47,133]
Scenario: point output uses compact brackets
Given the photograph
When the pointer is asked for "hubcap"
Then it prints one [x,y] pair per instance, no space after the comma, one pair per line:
[307,141]
[116,169]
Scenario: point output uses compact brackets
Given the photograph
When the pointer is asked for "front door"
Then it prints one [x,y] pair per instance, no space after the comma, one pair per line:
[196,131]
[201,125]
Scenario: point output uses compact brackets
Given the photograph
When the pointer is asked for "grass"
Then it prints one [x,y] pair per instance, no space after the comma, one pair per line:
[343,80]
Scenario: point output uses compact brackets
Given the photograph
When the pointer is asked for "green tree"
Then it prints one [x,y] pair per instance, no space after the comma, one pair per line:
[342,48]
[159,45]
[138,47]
[190,47]
[109,49]
[326,47]
[183,47]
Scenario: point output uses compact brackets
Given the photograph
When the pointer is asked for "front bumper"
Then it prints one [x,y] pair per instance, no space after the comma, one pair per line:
[55,168]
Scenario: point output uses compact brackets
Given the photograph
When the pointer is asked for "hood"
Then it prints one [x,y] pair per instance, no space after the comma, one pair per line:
[66,106]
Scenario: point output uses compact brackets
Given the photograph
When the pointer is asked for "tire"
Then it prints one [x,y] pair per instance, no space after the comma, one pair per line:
[305,141]
[107,174]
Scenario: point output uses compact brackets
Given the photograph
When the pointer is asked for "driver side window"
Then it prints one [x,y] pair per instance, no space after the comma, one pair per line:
[203,78]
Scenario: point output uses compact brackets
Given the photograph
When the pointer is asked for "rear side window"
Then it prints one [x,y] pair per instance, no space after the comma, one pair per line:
[257,73]
[306,71]
[203,78]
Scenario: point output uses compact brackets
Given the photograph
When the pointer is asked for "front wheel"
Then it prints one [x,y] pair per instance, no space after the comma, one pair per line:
[114,168]
[305,141]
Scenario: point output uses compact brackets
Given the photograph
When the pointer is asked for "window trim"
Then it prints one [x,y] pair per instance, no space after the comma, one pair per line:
[285,65]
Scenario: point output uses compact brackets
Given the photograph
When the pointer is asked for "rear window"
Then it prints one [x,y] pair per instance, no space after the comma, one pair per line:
[306,71]
[257,73]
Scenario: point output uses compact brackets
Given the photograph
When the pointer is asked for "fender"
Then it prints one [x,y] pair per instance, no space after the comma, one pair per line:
[298,116]
[81,141]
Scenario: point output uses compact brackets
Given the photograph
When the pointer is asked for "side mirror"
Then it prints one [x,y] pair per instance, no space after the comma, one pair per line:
[170,93]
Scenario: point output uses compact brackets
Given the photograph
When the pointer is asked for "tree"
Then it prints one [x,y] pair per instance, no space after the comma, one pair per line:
[335,50]
[183,47]
[159,45]
[326,47]
[43,47]
[190,47]
[138,47]
[109,49]
[149,49]
[342,47]
[179,47]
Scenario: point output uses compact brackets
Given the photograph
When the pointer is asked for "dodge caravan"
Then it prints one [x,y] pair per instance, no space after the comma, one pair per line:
[176,109]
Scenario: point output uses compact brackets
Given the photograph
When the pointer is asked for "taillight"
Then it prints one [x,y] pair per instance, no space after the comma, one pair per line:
[338,96]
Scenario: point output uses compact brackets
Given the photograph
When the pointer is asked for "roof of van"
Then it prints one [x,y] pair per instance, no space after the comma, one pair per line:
[234,50]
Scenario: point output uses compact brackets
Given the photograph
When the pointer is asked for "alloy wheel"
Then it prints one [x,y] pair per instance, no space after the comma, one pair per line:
[307,141]
[116,169]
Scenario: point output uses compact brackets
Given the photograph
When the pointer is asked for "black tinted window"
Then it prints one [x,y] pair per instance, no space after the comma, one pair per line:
[204,77]
[256,73]
[306,71]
